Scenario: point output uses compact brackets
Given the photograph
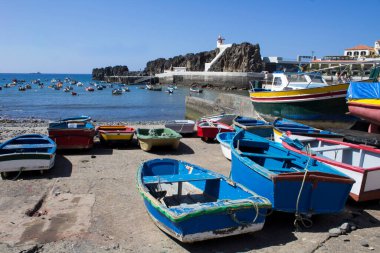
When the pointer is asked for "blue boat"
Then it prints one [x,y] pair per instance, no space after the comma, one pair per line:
[293,182]
[193,204]
[27,152]
[225,143]
[252,125]
[285,126]
[76,119]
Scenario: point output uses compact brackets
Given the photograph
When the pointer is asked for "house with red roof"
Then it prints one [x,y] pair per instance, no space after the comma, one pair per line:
[363,50]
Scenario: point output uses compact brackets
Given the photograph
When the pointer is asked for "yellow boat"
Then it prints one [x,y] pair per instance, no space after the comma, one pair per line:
[115,134]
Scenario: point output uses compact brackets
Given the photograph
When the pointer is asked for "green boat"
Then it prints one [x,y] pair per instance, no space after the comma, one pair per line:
[149,138]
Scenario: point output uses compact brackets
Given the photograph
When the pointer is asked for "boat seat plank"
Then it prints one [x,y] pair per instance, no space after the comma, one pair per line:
[177,178]
[27,146]
[266,156]
[330,148]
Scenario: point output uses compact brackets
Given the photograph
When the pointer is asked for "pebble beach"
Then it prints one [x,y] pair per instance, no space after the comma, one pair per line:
[88,202]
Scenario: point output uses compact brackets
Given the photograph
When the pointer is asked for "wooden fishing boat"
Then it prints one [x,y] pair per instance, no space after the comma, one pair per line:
[72,134]
[293,182]
[149,138]
[193,204]
[255,126]
[208,130]
[181,126]
[304,97]
[117,91]
[226,118]
[115,134]
[360,162]
[286,127]
[225,143]
[27,152]
[90,89]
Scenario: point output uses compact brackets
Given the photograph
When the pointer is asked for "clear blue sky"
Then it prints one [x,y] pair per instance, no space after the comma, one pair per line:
[74,36]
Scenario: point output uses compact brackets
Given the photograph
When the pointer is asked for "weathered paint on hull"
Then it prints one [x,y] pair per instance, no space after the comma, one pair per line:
[26,162]
[367,110]
[73,139]
[328,113]
[148,144]
[196,229]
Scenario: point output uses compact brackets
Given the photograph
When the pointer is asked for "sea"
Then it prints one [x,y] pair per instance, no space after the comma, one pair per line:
[49,104]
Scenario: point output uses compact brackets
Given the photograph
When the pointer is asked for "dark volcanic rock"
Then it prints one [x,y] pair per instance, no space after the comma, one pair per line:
[193,62]
[243,57]
[100,73]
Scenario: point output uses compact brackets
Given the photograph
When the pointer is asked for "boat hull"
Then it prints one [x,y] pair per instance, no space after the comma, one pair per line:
[72,138]
[193,204]
[304,106]
[181,126]
[225,143]
[205,227]
[366,186]
[115,134]
[283,188]
[367,109]
[148,144]
[26,162]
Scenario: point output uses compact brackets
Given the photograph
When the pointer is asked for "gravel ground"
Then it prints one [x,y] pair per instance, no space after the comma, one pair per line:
[90,204]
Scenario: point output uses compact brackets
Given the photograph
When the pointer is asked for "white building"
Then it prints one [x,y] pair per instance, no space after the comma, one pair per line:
[363,50]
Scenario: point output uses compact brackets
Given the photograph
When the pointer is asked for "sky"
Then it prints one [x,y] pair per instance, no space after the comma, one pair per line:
[75,36]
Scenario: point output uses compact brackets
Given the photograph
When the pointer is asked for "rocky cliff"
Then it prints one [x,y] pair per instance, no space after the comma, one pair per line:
[100,73]
[243,57]
[193,62]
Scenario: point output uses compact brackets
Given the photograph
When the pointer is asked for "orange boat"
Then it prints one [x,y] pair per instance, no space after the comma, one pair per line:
[115,134]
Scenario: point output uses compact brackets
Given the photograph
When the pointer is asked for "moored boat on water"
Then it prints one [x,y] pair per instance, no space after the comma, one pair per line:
[149,138]
[154,87]
[304,97]
[208,130]
[252,125]
[193,204]
[289,127]
[72,133]
[181,126]
[115,134]
[293,182]
[27,152]
[360,162]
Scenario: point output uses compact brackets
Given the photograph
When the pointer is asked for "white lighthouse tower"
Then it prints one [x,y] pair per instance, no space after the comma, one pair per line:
[222,47]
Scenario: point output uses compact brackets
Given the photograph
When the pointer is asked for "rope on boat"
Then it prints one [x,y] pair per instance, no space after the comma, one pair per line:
[245,223]
[298,216]
[19,173]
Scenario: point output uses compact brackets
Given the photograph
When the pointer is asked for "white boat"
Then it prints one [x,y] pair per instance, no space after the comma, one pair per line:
[225,143]
[181,126]
[223,118]
[360,162]
[27,152]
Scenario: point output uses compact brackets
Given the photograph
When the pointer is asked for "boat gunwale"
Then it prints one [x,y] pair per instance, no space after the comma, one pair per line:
[51,149]
[333,162]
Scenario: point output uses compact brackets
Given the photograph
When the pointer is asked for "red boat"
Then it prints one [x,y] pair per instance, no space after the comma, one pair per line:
[208,130]
[72,135]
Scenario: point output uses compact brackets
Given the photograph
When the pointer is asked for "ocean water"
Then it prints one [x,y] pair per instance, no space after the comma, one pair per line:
[101,105]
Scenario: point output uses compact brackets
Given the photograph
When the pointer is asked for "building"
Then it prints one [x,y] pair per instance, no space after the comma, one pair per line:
[363,50]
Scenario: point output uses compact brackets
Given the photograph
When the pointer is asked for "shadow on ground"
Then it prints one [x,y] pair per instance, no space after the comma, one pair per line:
[182,149]
[279,230]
